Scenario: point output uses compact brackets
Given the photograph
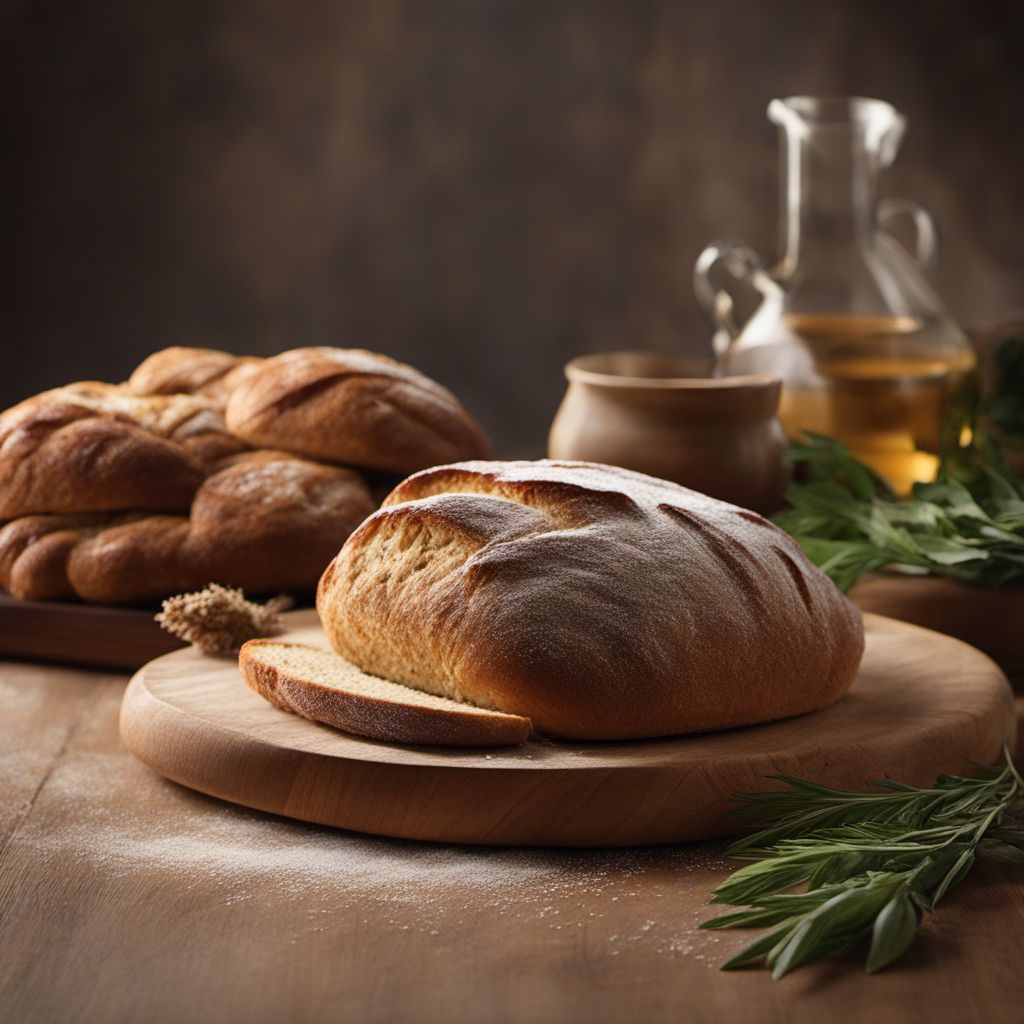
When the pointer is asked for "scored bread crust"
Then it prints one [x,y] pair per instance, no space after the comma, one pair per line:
[335,692]
[263,521]
[194,371]
[353,407]
[345,406]
[91,447]
[600,603]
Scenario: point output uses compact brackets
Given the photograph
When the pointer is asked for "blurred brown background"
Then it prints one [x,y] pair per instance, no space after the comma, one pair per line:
[481,188]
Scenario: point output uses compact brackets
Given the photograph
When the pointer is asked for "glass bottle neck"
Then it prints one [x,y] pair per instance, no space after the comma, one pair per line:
[829,187]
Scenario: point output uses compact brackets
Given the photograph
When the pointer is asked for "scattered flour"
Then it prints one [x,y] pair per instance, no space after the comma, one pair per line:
[124,827]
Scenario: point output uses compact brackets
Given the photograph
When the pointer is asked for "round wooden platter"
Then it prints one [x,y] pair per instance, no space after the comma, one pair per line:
[922,704]
[985,618]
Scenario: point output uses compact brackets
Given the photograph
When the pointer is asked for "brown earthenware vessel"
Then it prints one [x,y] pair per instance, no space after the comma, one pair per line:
[665,416]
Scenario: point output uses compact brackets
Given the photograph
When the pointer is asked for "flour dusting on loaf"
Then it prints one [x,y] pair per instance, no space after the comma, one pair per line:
[94,447]
[194,371]
[600,603]
[352,407]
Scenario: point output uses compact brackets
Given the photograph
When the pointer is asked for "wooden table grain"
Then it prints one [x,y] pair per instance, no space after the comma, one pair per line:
[126,898]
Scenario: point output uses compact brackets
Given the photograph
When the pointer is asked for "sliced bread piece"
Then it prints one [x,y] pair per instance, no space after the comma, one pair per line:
[322,686]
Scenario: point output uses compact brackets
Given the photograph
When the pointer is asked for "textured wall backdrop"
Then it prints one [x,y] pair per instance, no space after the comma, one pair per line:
[482,188]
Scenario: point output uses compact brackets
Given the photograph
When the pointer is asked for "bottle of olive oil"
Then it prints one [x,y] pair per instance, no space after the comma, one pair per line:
[848,316]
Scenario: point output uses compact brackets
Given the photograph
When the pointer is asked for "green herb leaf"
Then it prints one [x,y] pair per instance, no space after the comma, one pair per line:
[872,863]
[969,524]
[955,874]
[757,949]
[893,932]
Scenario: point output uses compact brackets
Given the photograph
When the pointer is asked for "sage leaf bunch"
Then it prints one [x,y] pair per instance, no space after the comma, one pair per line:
[968,524]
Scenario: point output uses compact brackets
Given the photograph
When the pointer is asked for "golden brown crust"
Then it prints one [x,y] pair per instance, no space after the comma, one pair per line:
[265,521]
[91,447]
[344,406]
[601,603]
[34,553]
[159,444]
[373,716]
[194,371]
[353,407]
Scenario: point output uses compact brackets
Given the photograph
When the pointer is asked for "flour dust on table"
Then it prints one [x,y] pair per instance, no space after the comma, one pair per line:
[249,857]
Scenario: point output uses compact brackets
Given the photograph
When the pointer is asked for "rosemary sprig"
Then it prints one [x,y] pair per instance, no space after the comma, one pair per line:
[872,863]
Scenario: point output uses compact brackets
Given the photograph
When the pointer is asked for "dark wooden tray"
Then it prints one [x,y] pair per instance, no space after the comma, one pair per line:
[81,634]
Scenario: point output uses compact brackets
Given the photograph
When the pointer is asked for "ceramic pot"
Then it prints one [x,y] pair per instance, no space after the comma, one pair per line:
[664,416]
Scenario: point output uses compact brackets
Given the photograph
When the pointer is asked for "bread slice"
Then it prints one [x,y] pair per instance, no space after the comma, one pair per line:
[322,686]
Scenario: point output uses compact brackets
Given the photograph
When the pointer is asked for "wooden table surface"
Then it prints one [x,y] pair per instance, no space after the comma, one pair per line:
[124,897]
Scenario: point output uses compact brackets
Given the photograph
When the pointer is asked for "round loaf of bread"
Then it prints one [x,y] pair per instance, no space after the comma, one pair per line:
[352,407]
[601,603]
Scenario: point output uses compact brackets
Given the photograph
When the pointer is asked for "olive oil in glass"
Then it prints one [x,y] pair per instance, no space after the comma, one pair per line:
[879,391]
[847,317]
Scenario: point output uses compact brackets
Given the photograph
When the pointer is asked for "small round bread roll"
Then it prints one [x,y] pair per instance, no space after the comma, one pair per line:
[352,407]
[194,371]
[600,603]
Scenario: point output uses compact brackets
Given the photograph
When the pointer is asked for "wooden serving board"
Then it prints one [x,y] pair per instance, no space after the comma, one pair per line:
[922,703]
[81,634]
[991,620]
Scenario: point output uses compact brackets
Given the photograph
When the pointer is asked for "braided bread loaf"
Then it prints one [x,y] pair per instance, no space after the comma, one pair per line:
[91,447]
[263,521]
[600,603]
[83,467]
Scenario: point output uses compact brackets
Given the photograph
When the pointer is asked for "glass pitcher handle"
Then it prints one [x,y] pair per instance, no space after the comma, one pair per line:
[927,253]
[743,264]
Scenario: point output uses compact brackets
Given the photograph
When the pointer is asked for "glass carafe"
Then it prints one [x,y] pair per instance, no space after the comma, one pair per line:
[848,317]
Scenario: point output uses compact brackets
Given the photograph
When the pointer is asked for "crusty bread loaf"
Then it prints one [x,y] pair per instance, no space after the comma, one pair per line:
[352,407]
[344,406]
[600,603]
[83,466]
[265,521]
[34,551]
[91,447]
[194,371]
[319,685]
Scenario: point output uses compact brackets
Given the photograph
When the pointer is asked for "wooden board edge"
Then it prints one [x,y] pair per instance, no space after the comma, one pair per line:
[312,787]
[92,636]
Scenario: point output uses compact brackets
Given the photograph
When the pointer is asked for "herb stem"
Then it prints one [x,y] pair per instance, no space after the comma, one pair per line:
[872,870]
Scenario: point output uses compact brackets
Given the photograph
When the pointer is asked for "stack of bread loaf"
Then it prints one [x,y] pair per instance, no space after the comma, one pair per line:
[208,467]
